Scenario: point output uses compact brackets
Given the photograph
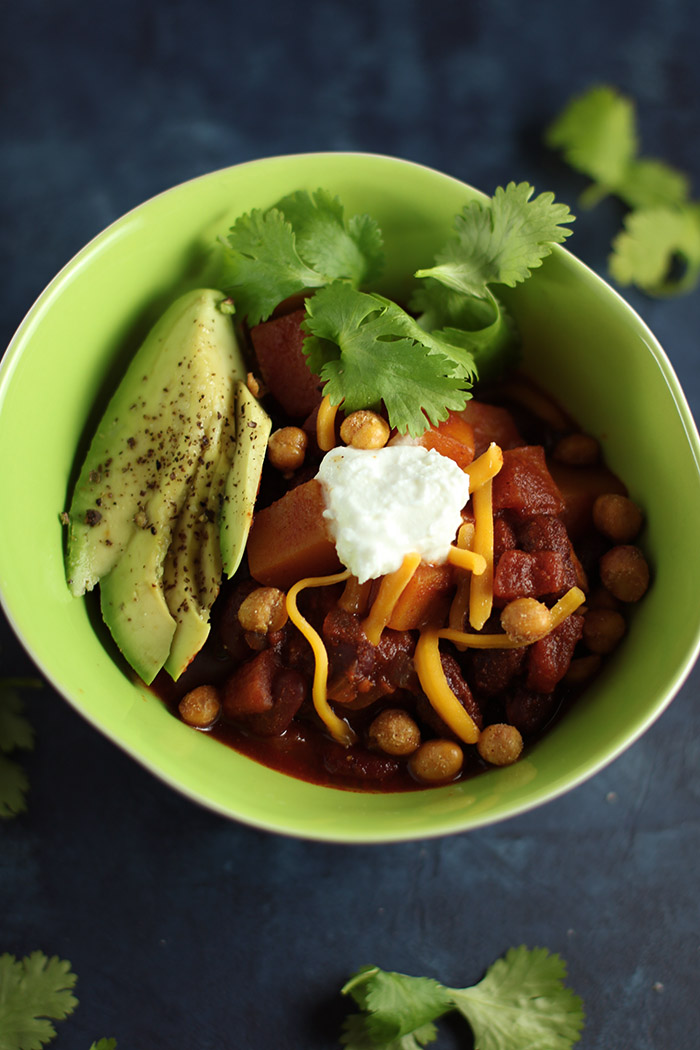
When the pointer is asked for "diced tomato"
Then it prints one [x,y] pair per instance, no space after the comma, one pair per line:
[454,438]
[490,423]
[278,347]
[524,484]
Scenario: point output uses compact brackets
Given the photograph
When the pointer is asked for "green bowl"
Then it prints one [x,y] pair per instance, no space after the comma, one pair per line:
[582,342]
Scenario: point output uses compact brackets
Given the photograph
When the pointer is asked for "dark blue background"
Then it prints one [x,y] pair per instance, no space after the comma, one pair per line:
[187,931]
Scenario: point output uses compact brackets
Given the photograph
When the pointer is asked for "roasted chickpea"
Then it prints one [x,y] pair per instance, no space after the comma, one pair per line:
[603,629]
[436,761]
[264,610]
[500,744]
[286,449]
[364,429]
[601,598]
[582,669]
[577,450]
[526,620]
[617,517]
[625,573]
[200,707]
[394,732]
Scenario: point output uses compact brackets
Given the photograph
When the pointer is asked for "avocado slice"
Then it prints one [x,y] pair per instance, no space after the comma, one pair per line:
[252,431]
[162,437]
[192,570]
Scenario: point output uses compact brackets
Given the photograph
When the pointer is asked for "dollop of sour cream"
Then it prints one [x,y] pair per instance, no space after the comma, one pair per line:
[383,504]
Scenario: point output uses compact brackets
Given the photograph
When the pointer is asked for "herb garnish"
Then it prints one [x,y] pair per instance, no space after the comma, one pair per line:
[522,1002]
[597,135]
[366,349]
[34,992]
[16,733]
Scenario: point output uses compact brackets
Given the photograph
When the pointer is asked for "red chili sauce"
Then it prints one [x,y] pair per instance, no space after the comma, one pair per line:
[545,542]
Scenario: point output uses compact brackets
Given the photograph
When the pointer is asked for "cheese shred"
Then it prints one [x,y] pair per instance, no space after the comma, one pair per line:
[325,424]
[481,590]
[466,559]
[390,590]
[485,467]
[339,730]
[432,676]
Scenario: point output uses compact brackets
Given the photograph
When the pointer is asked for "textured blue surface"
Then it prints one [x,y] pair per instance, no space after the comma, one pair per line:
[188,931]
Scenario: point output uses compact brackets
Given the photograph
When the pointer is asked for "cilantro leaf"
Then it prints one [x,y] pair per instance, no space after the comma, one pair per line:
[357,1036]
[522,1002]
[262,266]
[650,183]
[34,991]
[500,241]
[104,1044]
[13,788]
[483,327]
[367,350]
[303,242]
[396,1005]
[15,732]
[597,135]
[329,244]
[653,239]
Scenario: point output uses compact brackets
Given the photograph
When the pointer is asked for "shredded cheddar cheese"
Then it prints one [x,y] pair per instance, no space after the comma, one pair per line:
[428,667]
[460,603]
[485,467]
[338,729]
[432,676]
[390,590]
[325,424]
[467,559]
[566,605]
[481,589]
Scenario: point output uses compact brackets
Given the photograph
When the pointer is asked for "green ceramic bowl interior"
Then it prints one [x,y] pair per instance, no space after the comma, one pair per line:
[583,343]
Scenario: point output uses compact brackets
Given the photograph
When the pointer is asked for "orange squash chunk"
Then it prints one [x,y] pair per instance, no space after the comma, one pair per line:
[289,540]
[425,600]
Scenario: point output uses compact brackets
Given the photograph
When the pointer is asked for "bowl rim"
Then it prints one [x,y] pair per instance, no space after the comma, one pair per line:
[449,826]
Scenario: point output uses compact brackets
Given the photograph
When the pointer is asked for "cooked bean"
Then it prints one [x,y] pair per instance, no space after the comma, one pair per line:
[582,669]
[364,429]
[601,598]
[394,732]
[500,744]
[286,449]
[526,620]
[617,517]
[603,629]
[200,707]
[264,610]
[625,573]
[436,761]
[577,450]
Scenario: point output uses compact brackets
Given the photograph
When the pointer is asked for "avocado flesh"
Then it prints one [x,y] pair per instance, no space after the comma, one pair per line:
[192,570]
[252,431]
[171,414]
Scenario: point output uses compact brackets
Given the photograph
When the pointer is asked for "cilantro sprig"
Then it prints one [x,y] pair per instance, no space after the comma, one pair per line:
[520,1003]
[303,242]
[597,135]
[367,350]
[34,992]
[16,734]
